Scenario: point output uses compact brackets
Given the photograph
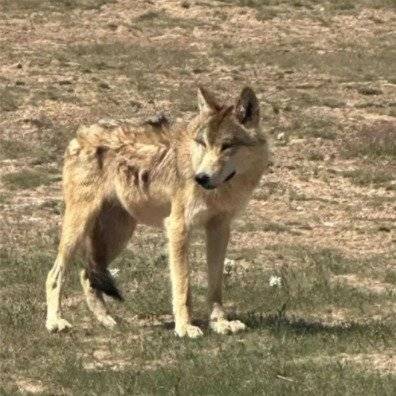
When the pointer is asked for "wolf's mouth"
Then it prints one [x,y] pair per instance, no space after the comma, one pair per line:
[230,176]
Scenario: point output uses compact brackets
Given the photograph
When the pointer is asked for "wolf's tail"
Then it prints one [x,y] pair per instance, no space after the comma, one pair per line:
[101,279]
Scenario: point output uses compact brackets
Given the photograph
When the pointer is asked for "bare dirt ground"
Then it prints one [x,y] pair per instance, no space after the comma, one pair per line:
[325,75]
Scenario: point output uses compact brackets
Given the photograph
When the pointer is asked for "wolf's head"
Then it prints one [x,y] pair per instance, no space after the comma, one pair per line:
[226,140]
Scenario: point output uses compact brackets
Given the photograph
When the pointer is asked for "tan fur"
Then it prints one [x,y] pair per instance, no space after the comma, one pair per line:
[118,175]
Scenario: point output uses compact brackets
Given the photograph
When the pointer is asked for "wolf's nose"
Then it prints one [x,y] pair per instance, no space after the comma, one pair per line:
[202,179]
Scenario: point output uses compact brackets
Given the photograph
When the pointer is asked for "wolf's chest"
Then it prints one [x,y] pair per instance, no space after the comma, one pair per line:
[196,212]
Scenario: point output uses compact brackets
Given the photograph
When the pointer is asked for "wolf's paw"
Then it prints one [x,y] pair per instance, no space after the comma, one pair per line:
[57,324]
[223,326]
[107,321]
[189,330]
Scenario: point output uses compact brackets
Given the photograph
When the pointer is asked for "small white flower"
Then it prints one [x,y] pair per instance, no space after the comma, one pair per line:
[114,272]
[229,265]
[275,281]
[229,262]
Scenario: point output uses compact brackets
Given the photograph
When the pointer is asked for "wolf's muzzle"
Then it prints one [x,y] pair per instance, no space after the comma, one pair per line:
[204,181]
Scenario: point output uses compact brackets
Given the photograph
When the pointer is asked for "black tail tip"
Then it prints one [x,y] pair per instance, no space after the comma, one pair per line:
[159,120]
[104,282]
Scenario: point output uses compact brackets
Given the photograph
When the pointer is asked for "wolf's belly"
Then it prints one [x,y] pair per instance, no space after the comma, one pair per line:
[150,213]
[154,215]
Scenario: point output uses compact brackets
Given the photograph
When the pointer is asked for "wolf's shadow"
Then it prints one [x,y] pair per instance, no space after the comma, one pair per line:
[275,324]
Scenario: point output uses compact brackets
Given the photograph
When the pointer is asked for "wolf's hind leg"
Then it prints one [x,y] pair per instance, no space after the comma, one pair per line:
[95,302]
[74,227]
[110,233]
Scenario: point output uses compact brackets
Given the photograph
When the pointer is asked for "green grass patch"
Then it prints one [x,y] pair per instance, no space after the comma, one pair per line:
[29,178]
[375,141]
[281,352]
[52,141]
[12,149]
[47,143]
[162,20]
[146,70]
[316,127]
[56,94]
[369,177]
[348,64]
[11,98]
[263,226]
[315,155]
[29,6]
[339,5]
[316,98]
[306,283]
[4,198]
[125,58]
[322,11]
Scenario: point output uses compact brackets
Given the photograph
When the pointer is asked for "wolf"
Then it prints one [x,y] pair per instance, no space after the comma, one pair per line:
[117,175]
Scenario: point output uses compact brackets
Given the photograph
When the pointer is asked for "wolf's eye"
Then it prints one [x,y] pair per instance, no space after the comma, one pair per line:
[200,142]
[227,146]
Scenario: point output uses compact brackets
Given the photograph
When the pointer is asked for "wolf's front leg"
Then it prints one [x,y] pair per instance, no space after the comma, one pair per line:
[178,236]
[218,234]
[54,284]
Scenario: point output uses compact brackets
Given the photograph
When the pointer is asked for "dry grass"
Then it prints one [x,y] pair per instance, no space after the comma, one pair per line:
[370,176]
[47,6]
[323,220]
[27,179]
[376,140]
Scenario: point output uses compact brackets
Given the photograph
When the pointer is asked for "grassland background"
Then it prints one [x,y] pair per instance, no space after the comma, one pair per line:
[323,220]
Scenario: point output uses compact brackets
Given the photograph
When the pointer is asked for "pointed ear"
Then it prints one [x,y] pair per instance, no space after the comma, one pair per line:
[247,109]
[206,101]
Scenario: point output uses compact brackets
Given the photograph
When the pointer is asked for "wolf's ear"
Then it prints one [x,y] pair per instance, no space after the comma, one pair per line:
[247,109]
[206,101]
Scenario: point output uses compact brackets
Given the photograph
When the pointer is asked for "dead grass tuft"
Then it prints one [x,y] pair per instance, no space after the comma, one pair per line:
[10,98]
[376,140]
[370,176]
[28,178]
[31,6]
